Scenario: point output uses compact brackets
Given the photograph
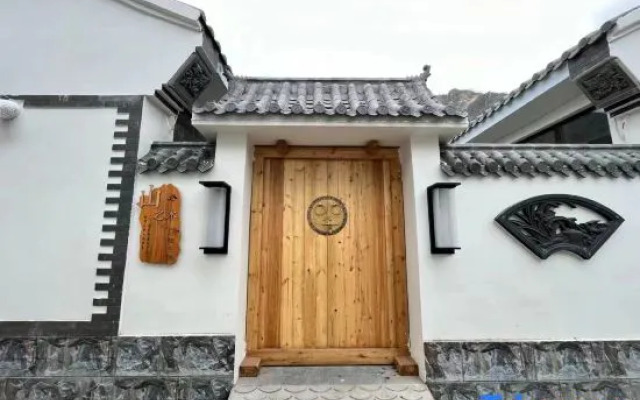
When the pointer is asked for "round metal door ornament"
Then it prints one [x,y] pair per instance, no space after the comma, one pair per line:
[327,215]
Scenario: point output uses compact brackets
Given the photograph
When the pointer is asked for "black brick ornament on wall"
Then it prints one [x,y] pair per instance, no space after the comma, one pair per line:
[127,128]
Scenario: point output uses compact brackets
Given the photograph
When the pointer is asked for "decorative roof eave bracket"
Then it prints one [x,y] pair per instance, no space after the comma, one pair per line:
[604,79]
[198,75]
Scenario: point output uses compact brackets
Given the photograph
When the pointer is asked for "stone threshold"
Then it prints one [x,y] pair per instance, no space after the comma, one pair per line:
[330,383]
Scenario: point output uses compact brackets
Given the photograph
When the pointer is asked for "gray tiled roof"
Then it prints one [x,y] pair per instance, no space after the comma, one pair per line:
[178,156]
[541,160]
[473,102]
[541,75]
[407,97]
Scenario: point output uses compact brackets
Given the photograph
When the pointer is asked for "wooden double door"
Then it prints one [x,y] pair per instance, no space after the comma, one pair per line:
[327,276]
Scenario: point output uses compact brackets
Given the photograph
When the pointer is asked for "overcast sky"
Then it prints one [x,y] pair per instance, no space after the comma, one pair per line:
[470,44]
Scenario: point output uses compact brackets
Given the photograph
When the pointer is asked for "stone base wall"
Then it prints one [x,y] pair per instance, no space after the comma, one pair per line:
[577,370]
[122,368]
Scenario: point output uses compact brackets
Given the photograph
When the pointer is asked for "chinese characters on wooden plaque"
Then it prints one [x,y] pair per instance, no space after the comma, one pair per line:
[160,225]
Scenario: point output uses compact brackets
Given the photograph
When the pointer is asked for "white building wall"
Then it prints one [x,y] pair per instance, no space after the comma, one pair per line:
[495,289]
[412,156]
[53,168]
[624,41]
[625,128]
[200,294]
[87,47]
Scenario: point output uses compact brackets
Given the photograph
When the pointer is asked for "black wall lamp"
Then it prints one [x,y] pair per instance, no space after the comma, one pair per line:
[219,204]
[443,232]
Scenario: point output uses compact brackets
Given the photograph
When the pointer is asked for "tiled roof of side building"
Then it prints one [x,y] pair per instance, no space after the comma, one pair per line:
[612,161]
[473,102]
[357,97]
[541,75]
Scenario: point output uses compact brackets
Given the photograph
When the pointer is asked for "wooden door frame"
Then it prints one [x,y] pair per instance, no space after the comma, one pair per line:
[329,356]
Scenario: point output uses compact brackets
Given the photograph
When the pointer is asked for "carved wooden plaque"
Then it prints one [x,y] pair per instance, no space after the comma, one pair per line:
[160,225]
[327,215]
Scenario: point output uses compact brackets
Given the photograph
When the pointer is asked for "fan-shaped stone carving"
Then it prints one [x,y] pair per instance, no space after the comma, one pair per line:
[535,224]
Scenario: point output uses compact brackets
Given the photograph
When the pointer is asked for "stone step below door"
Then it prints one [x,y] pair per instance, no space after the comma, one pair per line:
[330,383]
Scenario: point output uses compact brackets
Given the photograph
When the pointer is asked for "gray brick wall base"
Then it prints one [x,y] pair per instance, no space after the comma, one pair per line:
[571,370]
[122,368]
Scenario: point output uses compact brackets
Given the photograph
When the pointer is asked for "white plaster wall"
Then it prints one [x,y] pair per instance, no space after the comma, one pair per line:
[625,128]
[53,168]
[624,41]
[413,248]
[495,289]
[87,47]
[200,293]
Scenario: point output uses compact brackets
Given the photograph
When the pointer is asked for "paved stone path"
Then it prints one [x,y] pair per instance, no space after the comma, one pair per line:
[330,383]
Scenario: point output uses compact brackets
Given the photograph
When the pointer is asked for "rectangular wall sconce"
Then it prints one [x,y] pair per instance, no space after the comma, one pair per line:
[443,230]
[218,204]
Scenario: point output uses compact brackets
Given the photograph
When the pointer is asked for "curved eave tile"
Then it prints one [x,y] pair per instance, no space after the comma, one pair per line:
[535,161]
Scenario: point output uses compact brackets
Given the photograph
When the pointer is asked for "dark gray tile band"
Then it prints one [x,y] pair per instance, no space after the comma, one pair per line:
[109,368]
[122,195]
[570,370]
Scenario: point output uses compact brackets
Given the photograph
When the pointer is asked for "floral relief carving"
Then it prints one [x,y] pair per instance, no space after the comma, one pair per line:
[606,81]
[536,224]
[195,79]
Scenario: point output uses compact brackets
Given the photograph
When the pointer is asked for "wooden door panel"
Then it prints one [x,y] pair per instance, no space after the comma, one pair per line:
[270,300]
[397,241]
[363,291]
[342,326]
[315,270]
[313,291]
[303,294]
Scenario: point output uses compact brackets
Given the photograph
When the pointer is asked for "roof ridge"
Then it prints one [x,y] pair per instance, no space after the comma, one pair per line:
[423,76]
[324,79]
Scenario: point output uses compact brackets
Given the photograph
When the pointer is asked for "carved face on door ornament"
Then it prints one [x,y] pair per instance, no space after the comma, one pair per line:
[327,215]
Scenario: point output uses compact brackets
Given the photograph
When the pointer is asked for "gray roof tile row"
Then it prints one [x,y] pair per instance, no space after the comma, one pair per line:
[408,97]
[528,160]
[178,156]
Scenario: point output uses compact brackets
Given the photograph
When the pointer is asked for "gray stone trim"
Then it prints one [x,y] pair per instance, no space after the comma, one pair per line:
[558,370]
[122,195]
[106,367]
